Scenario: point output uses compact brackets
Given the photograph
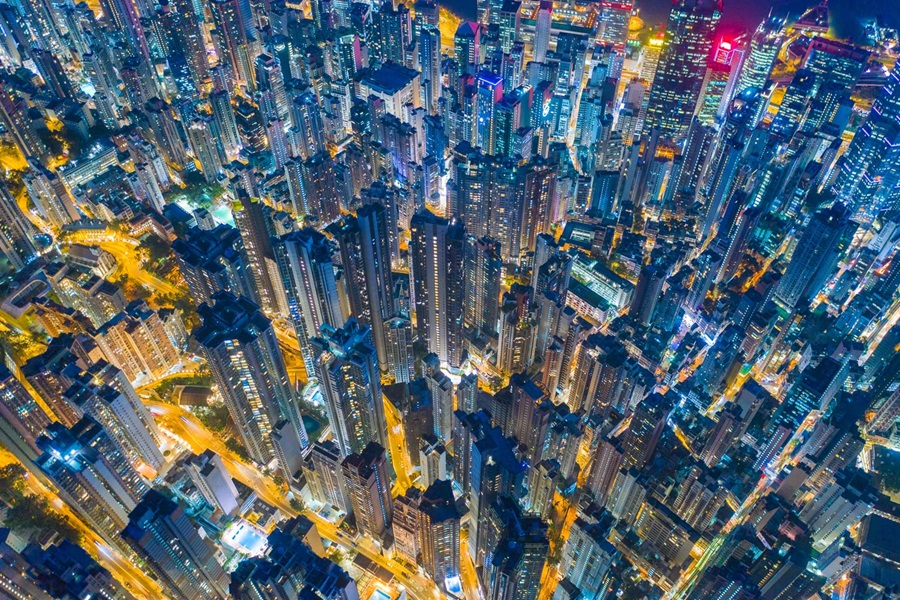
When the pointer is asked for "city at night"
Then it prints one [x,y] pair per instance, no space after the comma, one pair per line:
[449,300]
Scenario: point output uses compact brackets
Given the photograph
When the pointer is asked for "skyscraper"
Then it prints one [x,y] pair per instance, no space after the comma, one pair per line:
[52,372]
[306,119]
[588,556]
[14,116]
[366,260]
[718,84]
[429,44]
[528,416]
[93,476]
[208,473]
[105,393]
[643,433]
[406,525]
[293,566]
[252,223]
[510,24]
[49,194]
[535,195]
[226,125]
[270,86]
[398,333]
[248,367]
[441,390]
[518,329]
[137,342]
[164,537]
[869,175]
[166,132]
[542,31]
[761,53]
[795,103]
[494,471]
[309,282]
[517,562]
[346,366]
[615,18]
[467,46]
[676,87]
[204,150]
[814,257]
[369,487]
[188,40]
[490,91]
[237,37]
[23,418]
[483,268]
[325,476]
[440,537]
[51,71]
[319,187]
[647,293]
[437,249]
[213,261]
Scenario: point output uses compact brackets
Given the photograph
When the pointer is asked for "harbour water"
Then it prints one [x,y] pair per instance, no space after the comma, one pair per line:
[847,16]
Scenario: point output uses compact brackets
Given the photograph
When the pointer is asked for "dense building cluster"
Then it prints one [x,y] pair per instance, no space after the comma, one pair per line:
[338,300]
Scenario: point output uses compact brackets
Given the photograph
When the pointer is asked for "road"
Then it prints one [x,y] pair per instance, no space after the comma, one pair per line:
[290,350]
[399,455]
[139,584]
[184,426]
[471,585]
[128,261]
[447,24]
[882,326]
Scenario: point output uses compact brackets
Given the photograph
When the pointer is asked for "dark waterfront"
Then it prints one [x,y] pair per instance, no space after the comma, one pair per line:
[745,14]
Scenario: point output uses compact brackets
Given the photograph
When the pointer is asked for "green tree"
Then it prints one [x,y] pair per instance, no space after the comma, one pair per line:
[12,483]
[34,514]
[214,417]
[238,448]
[159,258]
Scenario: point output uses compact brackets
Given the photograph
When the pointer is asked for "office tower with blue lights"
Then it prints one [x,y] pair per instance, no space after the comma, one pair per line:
[163,536]
[93,476]
[868,175]
[762,50]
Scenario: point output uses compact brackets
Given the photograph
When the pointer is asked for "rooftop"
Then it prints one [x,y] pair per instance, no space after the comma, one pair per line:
[390,78]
